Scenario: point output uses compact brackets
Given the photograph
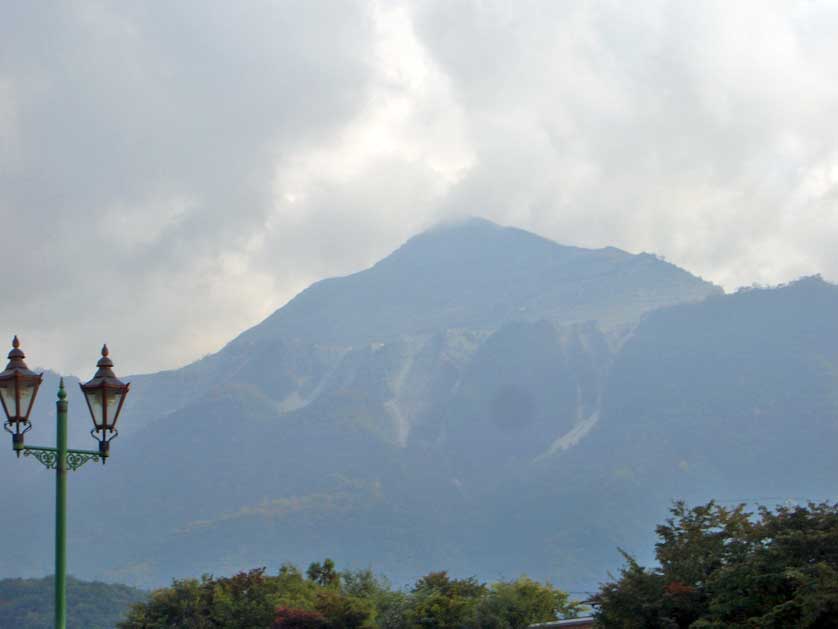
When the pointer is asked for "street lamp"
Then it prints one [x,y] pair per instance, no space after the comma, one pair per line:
[105,395]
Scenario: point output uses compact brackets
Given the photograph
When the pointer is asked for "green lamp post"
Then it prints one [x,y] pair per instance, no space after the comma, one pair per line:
[105,395]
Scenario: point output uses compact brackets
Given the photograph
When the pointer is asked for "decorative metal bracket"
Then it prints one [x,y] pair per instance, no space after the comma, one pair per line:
[77,458]
[49,457]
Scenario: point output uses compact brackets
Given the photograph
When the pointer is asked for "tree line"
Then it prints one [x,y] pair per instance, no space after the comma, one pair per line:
[325,598]
[717,567]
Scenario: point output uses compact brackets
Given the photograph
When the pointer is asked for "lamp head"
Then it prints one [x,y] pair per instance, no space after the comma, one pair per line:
[18,388]
[105,394]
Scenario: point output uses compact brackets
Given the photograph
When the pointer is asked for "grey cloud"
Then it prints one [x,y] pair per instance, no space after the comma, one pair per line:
[171,173]
[145,140]
[684,128]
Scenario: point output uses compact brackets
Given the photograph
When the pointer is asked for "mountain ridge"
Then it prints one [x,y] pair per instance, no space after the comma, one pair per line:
[456,261]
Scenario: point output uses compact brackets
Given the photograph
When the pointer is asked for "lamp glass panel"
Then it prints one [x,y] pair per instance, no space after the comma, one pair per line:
[27,392]
[94,399]
[7,391]
[113,398]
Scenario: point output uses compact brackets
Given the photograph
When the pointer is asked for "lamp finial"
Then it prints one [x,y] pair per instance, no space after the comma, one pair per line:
[16,354]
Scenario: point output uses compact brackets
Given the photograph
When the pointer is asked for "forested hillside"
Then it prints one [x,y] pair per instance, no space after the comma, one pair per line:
[28,603]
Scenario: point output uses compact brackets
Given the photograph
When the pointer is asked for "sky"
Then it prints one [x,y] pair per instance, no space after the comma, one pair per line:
[172,173]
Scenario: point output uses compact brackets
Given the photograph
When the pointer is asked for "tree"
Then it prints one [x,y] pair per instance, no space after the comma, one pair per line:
[790,576]
[520,603]
[291,618]
[363,584]
[186,603]
[244,601]
[393,610]
[324,575]
[342,611]
[294,590]
[440,602]
[729,568]
[635,601]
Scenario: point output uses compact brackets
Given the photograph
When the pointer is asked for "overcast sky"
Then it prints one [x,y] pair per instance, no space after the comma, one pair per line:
[172,172]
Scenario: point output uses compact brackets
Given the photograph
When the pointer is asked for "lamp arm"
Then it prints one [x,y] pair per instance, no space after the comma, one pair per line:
[49,456]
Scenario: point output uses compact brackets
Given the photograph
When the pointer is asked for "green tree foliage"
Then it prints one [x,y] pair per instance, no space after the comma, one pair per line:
[520,603]
[185,602]
[635,601]
[324,574]
[294,590]
[439,602]
[291,618]
[729,568]
[344,612]
[28,603]
[246,600]
[327,599]
[445,603]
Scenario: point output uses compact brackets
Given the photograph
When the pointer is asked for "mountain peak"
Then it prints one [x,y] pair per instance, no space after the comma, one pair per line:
[477,242]
[463,222]
[475,274]
[475,227]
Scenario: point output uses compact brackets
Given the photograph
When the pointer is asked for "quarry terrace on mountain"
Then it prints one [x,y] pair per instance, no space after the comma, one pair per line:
[482,399]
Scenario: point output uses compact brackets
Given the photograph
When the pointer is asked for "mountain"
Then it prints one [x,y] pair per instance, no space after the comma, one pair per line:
[478,275]
[28,603]
[482,400]
[445,290]
[734,398]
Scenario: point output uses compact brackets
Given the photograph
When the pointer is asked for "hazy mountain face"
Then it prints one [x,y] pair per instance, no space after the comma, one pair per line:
[482,400]
[417,317]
